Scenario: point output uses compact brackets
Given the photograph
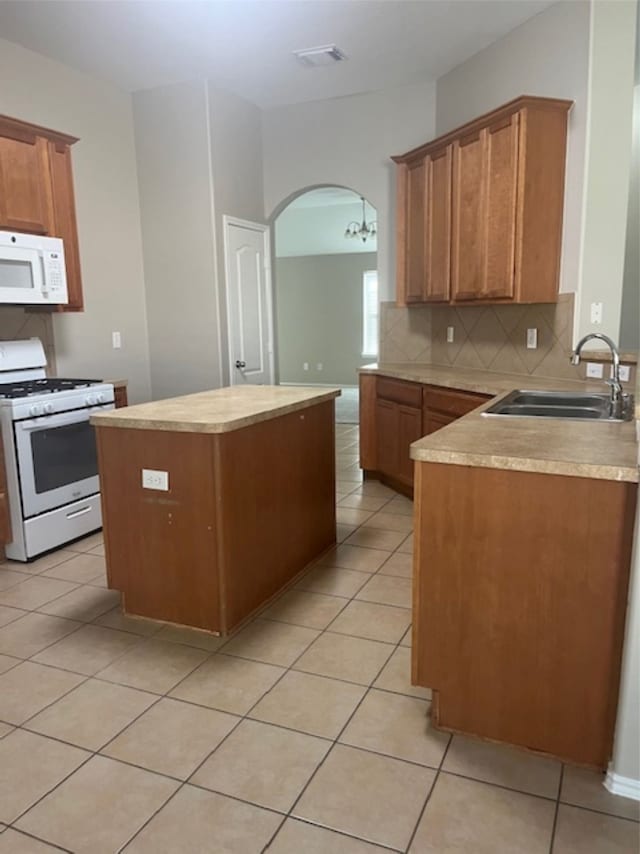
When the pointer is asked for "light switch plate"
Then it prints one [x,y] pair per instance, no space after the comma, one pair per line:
[450,333]
[596,313]
[595,370]
[532,339]
[153,479]
[116,340]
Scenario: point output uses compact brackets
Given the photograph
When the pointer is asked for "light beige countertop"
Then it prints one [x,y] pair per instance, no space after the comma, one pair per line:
[482,382]
[601,450]
[217,411]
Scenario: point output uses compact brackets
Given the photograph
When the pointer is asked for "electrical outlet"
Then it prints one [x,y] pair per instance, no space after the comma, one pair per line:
[152,479]
[532,339]
[595,370]
[596,313]
[450,331]
[319,366]
[116,340]
[625,373]
[305,366]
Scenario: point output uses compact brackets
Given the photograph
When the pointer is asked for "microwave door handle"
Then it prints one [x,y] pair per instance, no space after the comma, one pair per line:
[39,274]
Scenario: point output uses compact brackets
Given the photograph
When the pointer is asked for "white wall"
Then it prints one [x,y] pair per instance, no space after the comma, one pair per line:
[200,157]
[235,139]
[630,315]
[609,137]
[320,230]
[319,317]
[38,90]
[348,142]
[548,55]
[178,238]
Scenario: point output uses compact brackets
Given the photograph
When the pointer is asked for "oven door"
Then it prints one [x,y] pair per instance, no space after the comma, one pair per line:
[57,459]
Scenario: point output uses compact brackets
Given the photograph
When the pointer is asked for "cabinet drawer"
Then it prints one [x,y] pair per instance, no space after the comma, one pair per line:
[399,391]
[452,401]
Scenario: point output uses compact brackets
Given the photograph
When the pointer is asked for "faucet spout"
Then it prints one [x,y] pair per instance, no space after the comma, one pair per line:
[617,392]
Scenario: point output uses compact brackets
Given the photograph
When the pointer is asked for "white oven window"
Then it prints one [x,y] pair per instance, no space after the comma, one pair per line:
[63,455]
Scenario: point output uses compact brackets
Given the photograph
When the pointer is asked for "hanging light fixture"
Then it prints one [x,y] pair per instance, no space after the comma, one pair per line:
[362,229]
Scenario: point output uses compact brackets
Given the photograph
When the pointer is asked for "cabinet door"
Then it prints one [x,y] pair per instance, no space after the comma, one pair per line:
[467,249]
[435,420]
[387,437]
[64,221]
[415,232]
[25,183]
[500,209]
[409,430]
[438,225]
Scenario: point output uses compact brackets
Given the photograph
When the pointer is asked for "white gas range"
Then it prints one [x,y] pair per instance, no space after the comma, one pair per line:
[49,450]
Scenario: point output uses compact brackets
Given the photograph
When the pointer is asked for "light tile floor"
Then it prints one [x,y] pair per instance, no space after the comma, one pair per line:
[299,735]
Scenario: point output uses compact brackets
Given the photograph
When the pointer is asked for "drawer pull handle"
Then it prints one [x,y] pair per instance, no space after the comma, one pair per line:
[80,512]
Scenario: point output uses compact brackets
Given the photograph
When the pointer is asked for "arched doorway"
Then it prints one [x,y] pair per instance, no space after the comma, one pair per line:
[325,291]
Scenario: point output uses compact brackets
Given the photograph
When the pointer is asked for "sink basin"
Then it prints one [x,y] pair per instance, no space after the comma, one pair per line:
[558,404]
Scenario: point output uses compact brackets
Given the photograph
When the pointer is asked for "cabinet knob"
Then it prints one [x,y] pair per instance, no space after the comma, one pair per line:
[240,364]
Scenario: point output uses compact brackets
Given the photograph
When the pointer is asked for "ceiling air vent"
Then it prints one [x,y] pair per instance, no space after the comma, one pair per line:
[314,57]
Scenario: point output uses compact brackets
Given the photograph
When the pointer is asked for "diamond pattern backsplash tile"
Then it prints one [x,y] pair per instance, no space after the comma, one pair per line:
[486,338]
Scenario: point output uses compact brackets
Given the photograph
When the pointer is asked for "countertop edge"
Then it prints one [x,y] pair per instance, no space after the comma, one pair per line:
[118,419]
[591,471]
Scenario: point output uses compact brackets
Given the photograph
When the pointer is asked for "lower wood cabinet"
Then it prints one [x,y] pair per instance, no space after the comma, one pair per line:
[518,629]
[394,414]
[442,406]
[120,396]
[5,518]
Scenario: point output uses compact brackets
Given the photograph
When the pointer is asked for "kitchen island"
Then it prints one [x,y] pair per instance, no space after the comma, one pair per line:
[213,502]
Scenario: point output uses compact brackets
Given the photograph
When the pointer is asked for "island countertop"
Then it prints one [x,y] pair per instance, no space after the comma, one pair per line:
[218,411]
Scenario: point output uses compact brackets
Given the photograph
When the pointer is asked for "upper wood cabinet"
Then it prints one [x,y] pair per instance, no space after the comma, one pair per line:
[36,191]
[491,209]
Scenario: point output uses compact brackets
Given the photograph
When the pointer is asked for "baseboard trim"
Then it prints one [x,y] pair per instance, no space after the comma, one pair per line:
[626,787]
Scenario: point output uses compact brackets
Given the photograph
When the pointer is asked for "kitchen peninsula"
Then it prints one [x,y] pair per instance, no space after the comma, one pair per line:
[523,534]
[214,501]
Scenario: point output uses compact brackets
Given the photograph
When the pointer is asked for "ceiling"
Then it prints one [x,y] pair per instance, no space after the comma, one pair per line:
[246,46]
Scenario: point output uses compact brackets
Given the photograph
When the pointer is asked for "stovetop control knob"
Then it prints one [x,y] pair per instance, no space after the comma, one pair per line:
[36,409]
[48,408]
[100,397]
[91,399]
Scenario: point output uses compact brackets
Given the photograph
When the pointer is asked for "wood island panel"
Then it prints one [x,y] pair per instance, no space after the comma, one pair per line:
[246,511]
[161,546]
[276,482]
[520,588]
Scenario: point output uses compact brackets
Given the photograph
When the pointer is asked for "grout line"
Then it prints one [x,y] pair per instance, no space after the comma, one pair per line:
[556,811]
[429,793]
[39,839]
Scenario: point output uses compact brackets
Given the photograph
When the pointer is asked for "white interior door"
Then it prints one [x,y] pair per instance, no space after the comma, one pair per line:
[249,310]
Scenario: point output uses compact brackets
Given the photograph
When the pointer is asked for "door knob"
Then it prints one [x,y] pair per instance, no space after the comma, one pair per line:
[240,364]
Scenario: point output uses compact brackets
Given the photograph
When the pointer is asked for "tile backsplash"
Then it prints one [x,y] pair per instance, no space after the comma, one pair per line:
[17,323]
[488,338]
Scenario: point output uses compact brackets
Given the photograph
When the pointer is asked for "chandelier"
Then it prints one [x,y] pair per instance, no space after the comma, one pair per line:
[362,229]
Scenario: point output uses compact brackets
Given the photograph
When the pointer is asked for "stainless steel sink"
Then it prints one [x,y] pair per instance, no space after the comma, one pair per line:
[559,404]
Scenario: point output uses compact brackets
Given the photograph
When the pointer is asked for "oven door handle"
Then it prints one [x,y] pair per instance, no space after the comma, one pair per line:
[46,422]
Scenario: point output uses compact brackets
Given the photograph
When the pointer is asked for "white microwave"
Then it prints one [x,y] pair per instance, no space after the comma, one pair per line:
[32,269]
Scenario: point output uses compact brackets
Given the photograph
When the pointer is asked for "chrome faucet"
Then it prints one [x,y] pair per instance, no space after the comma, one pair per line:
[617,392]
